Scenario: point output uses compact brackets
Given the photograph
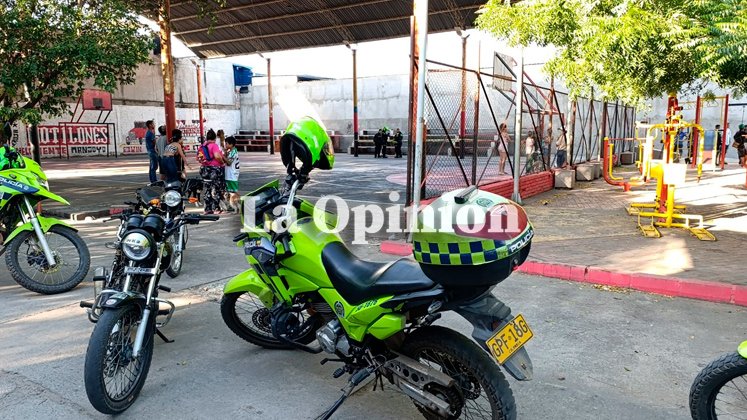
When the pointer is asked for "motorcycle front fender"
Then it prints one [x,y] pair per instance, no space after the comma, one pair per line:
[46,223]
[249,281]
[122,299]
[52,196]
[483,314]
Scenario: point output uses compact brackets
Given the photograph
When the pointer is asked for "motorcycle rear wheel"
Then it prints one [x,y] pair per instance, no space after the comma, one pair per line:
[721,385]
[26,261]
[247,317]
[482,391]
[110,354]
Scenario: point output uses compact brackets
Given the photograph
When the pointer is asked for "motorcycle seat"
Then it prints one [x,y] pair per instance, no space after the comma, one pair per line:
[359,280]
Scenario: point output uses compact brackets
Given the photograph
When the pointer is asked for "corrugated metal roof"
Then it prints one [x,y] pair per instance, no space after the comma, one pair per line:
[250,26]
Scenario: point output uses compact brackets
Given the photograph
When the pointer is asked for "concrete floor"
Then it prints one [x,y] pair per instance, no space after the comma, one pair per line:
[597,354]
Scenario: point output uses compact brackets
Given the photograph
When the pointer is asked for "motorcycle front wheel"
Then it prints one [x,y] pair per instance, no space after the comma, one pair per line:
[113,377]
[30,268]
[481,390]
[720,389]
[175,268]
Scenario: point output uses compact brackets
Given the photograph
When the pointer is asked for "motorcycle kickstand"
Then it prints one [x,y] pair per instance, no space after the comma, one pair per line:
[354,381]
[163,337]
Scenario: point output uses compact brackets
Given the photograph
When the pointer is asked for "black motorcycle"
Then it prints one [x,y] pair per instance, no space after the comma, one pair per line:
[167,199]
[121,345]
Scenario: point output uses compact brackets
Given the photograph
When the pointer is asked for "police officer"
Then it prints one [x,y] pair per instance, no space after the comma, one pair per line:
[384,141]
[397,143]
[377,143]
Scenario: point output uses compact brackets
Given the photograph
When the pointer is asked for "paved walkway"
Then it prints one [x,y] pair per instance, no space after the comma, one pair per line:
[589,226]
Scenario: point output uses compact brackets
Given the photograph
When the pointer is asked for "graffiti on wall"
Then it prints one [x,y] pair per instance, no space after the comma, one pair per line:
[134,139]
[68,139]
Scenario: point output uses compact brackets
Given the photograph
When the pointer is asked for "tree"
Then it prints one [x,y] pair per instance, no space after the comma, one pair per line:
[50,50]
[631,50]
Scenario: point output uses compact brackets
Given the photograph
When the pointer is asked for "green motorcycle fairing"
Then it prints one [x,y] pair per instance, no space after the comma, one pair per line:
[28,179]
[304,272]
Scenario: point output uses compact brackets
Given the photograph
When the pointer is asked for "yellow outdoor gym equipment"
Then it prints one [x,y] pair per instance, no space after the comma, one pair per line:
[663,212]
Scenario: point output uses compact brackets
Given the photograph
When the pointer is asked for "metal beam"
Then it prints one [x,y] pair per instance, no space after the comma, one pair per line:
[279,17]
[198,45]
[224,10]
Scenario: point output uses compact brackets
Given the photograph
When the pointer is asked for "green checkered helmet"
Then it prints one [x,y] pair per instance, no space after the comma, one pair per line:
[471,237]
[307,141]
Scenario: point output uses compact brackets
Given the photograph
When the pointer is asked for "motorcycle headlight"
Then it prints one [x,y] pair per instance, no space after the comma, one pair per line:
[136,245]
[172,198]
[43,182]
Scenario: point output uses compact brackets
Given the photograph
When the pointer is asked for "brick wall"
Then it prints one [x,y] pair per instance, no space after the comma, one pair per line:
[529,185]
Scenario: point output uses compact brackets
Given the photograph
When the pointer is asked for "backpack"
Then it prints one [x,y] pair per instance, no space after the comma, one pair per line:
[203,154]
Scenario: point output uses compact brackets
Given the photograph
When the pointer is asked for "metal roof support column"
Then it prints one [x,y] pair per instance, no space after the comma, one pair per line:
[420,32]
[355,103]
[589,143]
[725,127]
[167,66]
[463,110]
[696,133]
[516,196]
[199,103]
[573,106]
[270,105]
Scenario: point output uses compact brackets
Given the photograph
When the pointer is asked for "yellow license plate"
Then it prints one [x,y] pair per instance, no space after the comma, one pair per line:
[509,339]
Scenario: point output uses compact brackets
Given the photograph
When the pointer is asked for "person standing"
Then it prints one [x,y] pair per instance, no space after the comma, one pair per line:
[232,174]
[397,143]
[212,172]
[384,141]
[150,147]
[377,144]
[546,147]
[530,151]
[719,146]
[501,140]
[161,142]
[739,143]
[221,139]
[173,157]
[561,146]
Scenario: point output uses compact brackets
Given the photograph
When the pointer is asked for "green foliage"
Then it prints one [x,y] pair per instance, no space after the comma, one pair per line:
[51,49]
[631,49]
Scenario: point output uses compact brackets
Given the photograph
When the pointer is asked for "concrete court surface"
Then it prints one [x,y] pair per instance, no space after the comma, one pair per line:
[598,354]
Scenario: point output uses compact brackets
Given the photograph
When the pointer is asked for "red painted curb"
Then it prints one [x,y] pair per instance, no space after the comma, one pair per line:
[396,248]
[709,291]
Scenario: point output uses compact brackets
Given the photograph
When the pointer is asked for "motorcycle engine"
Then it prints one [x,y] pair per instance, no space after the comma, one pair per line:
[331,338]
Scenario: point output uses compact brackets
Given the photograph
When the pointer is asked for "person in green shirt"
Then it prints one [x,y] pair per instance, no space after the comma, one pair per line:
[8,155]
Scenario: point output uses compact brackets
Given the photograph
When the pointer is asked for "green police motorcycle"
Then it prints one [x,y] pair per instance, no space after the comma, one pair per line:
[305,290]
[43,255]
